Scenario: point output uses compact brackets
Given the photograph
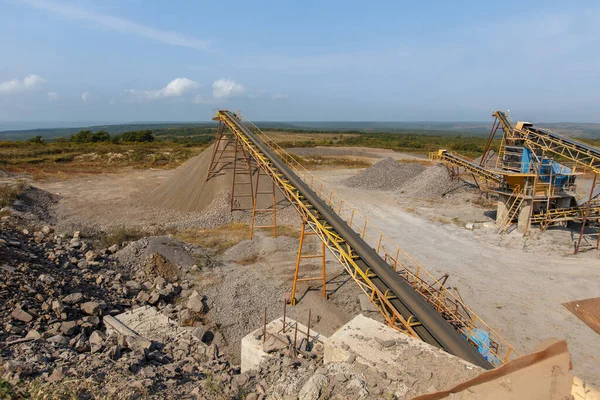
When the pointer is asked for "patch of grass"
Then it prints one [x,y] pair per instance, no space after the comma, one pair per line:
[120,235]
[283,230]
[212,385]
[9,192]
[219,239]
[6,390]
[55,160]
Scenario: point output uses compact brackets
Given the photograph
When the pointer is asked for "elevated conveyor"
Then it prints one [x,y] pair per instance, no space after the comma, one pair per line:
[545,139]
[457,161]
[402,306]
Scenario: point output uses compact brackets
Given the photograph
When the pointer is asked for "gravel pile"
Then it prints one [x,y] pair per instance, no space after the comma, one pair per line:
[183,256]
[387,174]
[433,182]
[33,205]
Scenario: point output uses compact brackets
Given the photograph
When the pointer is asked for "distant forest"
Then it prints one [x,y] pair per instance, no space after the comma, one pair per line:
[191,132]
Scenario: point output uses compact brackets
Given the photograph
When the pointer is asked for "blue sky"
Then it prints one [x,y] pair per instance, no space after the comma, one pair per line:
[142,60]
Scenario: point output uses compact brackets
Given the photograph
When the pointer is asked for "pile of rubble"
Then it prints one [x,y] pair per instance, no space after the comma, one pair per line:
[56,294]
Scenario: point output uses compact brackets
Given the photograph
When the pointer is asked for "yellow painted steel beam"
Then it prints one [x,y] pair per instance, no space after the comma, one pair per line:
[447,304]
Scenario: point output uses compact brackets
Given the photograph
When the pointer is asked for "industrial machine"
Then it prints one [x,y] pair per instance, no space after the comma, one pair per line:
[534,175]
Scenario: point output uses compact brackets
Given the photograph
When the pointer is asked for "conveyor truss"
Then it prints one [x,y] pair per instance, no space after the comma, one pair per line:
[350,241]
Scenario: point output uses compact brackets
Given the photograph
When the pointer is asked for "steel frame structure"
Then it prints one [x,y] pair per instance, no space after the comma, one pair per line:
[449,306]
[323,278]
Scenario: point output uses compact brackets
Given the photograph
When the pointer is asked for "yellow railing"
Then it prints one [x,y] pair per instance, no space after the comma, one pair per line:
[439,296]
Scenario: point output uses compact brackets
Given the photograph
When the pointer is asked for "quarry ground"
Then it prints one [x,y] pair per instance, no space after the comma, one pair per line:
[517,287]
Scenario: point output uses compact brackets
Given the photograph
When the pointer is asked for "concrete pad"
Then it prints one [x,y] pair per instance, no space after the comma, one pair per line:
[150,324]
[253,352]
[371,343]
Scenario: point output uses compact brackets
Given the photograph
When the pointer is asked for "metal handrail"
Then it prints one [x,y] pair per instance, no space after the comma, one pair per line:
[422,280]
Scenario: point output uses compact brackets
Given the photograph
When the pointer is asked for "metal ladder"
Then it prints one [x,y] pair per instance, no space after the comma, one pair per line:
[512,211]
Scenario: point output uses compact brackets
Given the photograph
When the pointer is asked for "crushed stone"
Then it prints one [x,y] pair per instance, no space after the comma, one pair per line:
[387,174]
[433,182]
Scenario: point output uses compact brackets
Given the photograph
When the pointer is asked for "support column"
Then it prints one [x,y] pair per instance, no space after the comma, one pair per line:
[300,257]
[524,214]
[504,203]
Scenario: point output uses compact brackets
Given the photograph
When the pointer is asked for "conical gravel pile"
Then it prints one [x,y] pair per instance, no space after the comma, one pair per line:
[387,174]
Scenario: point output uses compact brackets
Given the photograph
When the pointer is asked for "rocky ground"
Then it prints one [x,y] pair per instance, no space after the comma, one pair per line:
[57,289]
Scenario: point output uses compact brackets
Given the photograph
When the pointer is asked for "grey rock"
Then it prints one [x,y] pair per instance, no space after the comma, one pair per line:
[69,328]
[154,298]
[96,341]
[143,297]
[33,335]
[57,375]
[133,286]
[314,387]
[21,315]
[58,339]
[195,304]
[73,298]
[92,308]
[47,279]
[91,256]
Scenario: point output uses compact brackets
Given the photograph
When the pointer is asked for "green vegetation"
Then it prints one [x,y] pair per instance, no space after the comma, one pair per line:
[469,146]
[62,158]
[9,192]
[121,235]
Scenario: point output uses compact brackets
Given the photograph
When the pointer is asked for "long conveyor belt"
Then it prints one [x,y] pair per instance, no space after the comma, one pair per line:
[346,244]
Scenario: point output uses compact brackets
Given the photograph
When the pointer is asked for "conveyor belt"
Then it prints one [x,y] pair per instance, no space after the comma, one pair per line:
[453,159]
[350,248]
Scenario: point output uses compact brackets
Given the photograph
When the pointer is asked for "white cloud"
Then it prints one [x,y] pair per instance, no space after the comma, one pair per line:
[112,102]
[176,88]
[118,24]
[30,82]
[52,96]
[224,88]
[201,100]
[281,96]
[85,96]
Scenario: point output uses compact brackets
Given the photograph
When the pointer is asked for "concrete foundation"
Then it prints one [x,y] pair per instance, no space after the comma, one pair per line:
[503,204]
[523,217]
[254,351]
[373,344]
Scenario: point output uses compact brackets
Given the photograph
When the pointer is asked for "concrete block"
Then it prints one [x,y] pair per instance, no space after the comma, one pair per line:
[252,351]
[366,304]
[374,344]
[147,323]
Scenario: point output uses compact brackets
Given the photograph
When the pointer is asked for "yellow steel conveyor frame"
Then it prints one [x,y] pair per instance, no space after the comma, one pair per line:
[441,298]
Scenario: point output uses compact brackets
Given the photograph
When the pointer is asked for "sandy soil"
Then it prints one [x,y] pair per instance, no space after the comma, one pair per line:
[367,154]
[519,292]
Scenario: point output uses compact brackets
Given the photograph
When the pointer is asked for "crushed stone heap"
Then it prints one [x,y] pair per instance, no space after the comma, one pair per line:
[387,174]
[433,182]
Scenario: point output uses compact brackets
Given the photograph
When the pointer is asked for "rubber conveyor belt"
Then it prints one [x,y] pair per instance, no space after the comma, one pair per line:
[433,328]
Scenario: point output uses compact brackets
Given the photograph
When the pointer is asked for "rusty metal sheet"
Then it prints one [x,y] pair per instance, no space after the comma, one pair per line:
[587,310]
